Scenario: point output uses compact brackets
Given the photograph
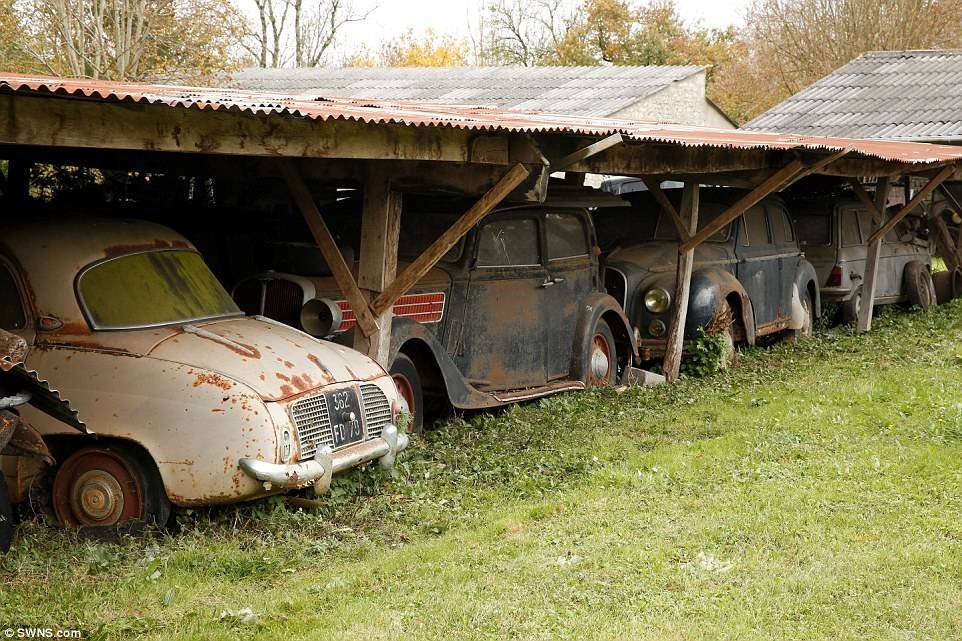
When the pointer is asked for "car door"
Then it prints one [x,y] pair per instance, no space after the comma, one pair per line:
[757,268]
[572,275]
[789,257]
[503,338]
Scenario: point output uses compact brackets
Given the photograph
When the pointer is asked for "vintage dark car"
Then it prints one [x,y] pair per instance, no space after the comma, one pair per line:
[515,311]
[749,280]
[834,231]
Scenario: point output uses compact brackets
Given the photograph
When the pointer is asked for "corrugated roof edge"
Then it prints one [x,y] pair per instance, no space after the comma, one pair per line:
[459,117]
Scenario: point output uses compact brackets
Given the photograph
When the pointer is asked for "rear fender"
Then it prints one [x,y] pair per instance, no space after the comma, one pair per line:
[601,306]
[461,394]
[806,280]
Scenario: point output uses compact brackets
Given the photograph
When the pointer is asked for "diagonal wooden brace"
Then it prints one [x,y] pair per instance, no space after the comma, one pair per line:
[429,258]
[771,184]
[659,195]
[912,204]
[325,242]
[866,201]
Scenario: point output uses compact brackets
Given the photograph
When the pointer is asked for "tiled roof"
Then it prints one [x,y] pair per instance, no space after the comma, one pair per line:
[893,95]
[582,91]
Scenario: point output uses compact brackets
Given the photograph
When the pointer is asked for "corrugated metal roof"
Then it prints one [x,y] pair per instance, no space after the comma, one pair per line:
[471,118]
[583,91]
[893,95]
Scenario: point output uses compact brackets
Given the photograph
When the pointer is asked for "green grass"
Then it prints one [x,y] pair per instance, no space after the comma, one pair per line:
[811,492]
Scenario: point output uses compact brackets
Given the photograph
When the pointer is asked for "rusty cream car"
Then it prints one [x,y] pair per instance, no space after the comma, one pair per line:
[191,401]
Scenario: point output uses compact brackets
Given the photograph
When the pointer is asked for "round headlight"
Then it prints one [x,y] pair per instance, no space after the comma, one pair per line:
[657,300]
[656,328]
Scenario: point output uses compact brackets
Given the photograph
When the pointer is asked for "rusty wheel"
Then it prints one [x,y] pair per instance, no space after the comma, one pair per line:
[6,517]
[108,486]
[408,382]
[602,357]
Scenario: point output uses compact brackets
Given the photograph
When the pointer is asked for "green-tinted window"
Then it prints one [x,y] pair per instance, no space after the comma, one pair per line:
[152,288]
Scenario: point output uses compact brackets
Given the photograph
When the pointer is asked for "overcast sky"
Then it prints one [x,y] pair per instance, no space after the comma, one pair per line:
[394,17]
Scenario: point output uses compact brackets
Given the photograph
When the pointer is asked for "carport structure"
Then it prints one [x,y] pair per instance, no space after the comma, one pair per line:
[391,149]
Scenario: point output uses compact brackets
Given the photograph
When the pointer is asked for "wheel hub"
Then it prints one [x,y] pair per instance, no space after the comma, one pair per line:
[97,497]
[600,364]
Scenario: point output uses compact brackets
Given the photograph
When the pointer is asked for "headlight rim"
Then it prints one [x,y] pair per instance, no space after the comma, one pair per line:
[651,306]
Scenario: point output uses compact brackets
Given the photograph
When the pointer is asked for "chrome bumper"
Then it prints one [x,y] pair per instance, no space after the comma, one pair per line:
[326,463]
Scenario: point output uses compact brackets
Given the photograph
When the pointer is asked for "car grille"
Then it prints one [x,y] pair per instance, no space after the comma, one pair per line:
[313,423]
[377,409]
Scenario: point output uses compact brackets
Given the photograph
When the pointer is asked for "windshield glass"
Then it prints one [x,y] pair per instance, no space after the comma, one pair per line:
[150,289]
[707,212]
[420,229]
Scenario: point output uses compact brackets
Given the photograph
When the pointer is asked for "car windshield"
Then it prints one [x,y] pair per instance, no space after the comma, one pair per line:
[814,230]
[150,289]
[707,212]
[420,229]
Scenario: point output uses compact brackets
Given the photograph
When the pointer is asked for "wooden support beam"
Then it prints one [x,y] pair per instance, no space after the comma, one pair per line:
[818,166]
[654,186]
[863,196]
[945,243]
[587,152]
[679,314]
[377,263]
[423,263]
[958,210]
[328,246]
[772,184]
[912,204]
[870,281]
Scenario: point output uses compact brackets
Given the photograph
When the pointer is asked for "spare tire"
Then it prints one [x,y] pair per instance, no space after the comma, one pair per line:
[6,517]
[917,283]
[948,285]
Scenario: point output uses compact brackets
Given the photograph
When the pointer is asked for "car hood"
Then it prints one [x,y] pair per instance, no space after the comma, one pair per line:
[276,361]
[661,257]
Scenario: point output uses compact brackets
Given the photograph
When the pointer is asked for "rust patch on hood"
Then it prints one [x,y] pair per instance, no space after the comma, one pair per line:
[212,378]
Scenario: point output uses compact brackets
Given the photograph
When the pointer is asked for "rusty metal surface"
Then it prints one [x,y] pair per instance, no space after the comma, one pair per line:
[19,438]
[460,117]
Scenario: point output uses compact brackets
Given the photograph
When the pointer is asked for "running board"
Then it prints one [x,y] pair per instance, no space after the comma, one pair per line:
[536,392]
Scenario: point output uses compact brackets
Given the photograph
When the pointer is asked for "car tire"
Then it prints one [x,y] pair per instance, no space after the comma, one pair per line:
[112,488]
[917,282]
[851,307]
[408,382]
[6,517]
[944,283]
[602,357]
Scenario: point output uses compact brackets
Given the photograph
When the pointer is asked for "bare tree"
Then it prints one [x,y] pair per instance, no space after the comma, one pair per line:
[301,32]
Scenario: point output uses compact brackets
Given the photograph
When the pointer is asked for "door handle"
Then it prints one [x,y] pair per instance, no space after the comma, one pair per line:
[547,283]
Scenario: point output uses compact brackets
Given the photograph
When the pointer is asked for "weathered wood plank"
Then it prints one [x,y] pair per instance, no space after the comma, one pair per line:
[328,247]
[922,194]
[658,194]
[870,281]
[863,197]
[679,315]
[423,263]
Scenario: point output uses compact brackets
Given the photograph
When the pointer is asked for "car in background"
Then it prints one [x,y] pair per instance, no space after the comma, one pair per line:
[749,279]
[515,311]
[193,402]
[833,232]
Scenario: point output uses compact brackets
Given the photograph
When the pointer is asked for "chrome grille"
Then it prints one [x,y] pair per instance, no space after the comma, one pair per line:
[313,425]
[377,409]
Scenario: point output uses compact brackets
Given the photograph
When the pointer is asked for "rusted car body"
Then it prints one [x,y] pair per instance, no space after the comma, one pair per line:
[833,233]
[193,402]
[749,279]
[515,311]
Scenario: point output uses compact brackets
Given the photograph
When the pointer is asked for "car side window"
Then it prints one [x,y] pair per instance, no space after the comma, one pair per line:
[850,231]
[865,223]
[513,241]
[565,234]
[781,226]
[754,228]
[12,316]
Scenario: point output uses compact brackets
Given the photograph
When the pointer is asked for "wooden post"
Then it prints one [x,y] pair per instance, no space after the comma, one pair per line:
[686,260]
[377,263]
[870,282]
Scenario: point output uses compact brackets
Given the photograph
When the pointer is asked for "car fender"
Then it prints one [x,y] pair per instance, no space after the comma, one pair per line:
[407,334]
[710,288]
[806,279]
[601,306]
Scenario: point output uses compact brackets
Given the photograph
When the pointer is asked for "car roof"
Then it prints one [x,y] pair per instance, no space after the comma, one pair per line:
[49,252]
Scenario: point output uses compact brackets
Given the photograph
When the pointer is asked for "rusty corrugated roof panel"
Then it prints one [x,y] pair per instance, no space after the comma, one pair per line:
[472,118]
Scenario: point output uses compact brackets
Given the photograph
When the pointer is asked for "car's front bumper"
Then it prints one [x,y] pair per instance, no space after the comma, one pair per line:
[326,463]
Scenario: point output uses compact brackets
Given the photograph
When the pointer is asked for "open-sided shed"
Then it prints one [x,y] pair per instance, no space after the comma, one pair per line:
[393,148]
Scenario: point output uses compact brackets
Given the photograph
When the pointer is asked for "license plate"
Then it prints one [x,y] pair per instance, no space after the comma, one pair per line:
[344,408]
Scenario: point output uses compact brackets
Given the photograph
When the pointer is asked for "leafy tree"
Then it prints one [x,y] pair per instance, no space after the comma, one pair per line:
[425,50]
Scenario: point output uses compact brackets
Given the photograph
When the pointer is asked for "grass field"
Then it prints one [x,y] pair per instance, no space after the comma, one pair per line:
[811,492]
